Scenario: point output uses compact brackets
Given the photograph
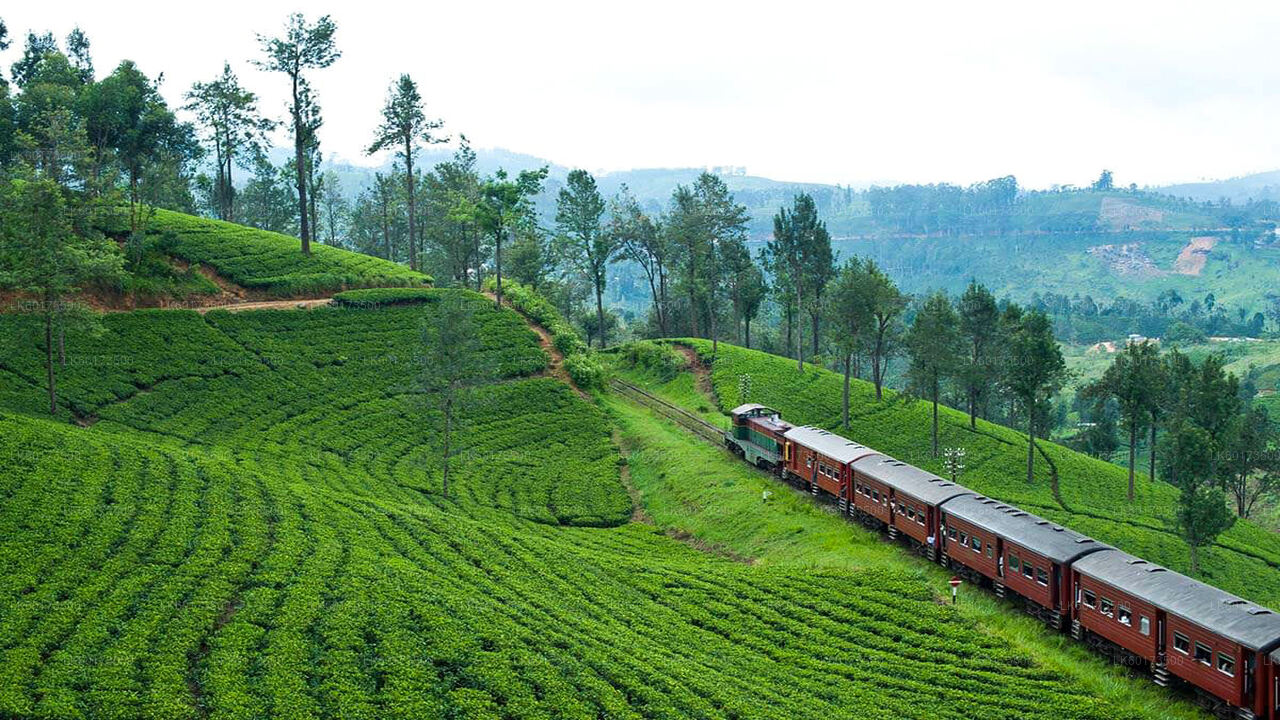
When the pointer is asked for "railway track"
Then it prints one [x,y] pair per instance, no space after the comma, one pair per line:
[679,415]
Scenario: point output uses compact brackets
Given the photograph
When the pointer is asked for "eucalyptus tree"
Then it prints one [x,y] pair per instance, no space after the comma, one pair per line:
[504,205]
[722,222]
[583,240]
[746,286]
[1188,460]
[1034,370]
[980,332]
[1132,379]
[886,302]
[404,125]
[643,240]
[933,344]
[849,306]
[229,114]
[303,47]
[801,248]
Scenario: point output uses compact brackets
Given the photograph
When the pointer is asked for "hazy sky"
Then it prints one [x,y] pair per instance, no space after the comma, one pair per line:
[830,92]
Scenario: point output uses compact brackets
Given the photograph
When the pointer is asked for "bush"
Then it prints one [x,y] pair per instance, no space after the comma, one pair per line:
[378,297]
[585,370]
[1180,332]
[661,359]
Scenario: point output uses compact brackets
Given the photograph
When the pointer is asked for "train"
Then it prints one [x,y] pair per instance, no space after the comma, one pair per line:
[1181,631]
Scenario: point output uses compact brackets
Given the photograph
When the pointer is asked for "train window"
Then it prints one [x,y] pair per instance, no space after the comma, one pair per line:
[951,533]
[964,538]
[1226,665]
[977,543]
[1124,615]
[1042,577]
[1144,624]
[1204,654]
[1107,608]
[1090,600]
[1028,569]
[1181,643]
[919,517]
[1014,563]
[875,495]
[808,462]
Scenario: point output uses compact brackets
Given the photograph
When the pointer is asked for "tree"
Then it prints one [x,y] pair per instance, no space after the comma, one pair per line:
[1202,514]
[44,255]
[645,242]
[334,207]
[886,303]
[850,310]
[1251,471]
[229,114]
[801,245]
[452,192]
[980,333]
[404,125]
[692,251]
[33,53]
[504,205]
[1034,371]
[933,344]
[583,240]
[78,54]
[384,193]
[1133,380]
[302,47]
[452,360]
[1104,181]
[745,283]
[723,222]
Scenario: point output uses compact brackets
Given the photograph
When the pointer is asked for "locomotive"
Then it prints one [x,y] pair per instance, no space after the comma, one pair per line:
[1180,630]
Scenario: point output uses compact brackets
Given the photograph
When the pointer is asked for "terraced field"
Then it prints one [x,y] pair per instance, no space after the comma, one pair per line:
[269,262]
[1245,561]
[251,526]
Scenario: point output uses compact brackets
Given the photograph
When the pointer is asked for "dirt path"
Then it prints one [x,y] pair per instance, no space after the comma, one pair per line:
[555,368]
[268,305]
[701,373]
[638,514]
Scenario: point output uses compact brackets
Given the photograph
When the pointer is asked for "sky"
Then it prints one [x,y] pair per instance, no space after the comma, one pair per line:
[836,92]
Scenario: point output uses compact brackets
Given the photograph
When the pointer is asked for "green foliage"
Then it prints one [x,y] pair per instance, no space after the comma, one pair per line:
[1181,332]
[658,358]
[1243,560]
[371,297]
[269,262]
[585,370]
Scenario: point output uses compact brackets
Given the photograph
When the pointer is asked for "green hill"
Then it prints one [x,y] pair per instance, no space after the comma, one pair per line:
[211,261]
[1245,561]
[248,522]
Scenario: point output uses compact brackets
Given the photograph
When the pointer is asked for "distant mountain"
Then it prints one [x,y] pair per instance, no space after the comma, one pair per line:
[1259,186]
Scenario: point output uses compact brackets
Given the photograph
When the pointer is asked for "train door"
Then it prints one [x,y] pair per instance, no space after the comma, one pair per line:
[999,557]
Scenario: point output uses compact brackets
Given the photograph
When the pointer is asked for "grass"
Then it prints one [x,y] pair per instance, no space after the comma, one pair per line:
[690,488]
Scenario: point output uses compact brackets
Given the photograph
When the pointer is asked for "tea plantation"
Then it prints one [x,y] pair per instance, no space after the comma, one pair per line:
[269,262]
[1245,561]
[248,522]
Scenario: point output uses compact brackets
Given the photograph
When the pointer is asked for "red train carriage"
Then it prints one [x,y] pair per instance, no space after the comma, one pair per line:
[913,496]
[1184,628]
[820,459]
[758,435]
[1271,669]
[1016,551]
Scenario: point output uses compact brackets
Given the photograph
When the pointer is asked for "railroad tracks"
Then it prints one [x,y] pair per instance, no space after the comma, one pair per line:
[679,415]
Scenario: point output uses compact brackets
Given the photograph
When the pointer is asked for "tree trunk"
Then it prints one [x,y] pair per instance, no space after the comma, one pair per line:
[448,436]
[800,335]
[747,326]
[815,316]
[1031,445]
[1133,453]
[1152,471]
[935,415]
[497,238]
[299,159]
[848,366]
[600,313]
[62,342]
[693,311]
[876,371]
[48,361]
[973,408]
[1194,552]
[408,181]
[789,323]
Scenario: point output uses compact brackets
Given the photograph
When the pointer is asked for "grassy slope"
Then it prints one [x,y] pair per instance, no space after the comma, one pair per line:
[690,487]
[273,263]
[254,527]
[1244,561]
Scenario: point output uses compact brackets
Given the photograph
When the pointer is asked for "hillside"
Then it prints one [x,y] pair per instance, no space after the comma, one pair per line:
[1245,561]
[247,521]
[194,261]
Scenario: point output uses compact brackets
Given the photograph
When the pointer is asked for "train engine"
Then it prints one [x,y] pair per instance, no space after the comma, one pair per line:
[757,436]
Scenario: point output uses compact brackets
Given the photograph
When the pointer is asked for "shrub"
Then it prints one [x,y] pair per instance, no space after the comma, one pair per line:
[378,297]
[585,370]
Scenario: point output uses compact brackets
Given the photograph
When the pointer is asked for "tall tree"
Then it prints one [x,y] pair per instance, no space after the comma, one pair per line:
[79,55]
[1202,513]
[1251,472]
[933,344]
[850,310]
[583,239]
[303,47]
[404,125]
[723,221]
[746,286]
[802,246]
[504,205]
[46,254]
[230,117]
[1132,380]
[692,250]
[1034,371]
[887,303]
[980,331]
[452,360]
[384,192]
[33,53]
[644,241]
